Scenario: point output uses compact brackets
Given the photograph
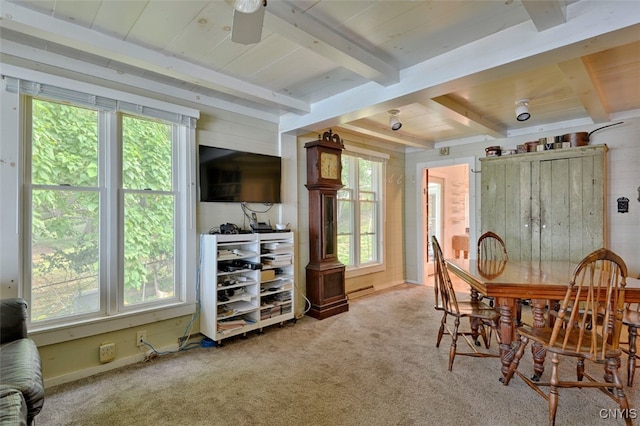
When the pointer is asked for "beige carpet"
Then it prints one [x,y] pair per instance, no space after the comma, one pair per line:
[374,365]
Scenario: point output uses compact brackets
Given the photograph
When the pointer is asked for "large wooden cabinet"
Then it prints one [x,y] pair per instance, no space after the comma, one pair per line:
[546,205]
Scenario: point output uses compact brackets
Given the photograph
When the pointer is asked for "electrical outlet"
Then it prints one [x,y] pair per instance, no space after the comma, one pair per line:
[107,352]
[141,337]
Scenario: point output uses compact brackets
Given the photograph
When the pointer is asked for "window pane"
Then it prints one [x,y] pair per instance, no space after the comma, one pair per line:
[345,217]
[367,196]
[367,217]
[359,207]
[64,145]
[367,248]
[366,175]
[367,232]
[345,194]
[147,153]
[65,253]
[346,172]
[345,255]
[148,248]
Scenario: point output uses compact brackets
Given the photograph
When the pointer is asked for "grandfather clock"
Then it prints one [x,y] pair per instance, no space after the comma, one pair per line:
[325,274]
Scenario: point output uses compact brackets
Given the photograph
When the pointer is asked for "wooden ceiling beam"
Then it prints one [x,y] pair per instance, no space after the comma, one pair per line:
[578,76]
[464,116]
[295,25]
[368,128]
[546,14]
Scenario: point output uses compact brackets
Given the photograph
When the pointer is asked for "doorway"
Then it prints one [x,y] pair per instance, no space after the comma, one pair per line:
[447,204]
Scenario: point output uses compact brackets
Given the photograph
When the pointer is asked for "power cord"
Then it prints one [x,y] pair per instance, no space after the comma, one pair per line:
[182,345]
[307,302]
[246,210]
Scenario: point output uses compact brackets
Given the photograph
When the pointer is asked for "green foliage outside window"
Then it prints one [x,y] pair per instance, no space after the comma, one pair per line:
[67,198]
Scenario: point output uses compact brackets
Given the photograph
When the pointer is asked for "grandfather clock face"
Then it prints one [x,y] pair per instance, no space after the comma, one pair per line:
[329,165]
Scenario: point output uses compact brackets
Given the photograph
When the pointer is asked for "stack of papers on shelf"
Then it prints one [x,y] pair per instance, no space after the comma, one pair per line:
[277,285]
[287,284]
[234,254]
[278,247]
[241,307]
[231,324]
[283,297]
[225,312]
[278,259]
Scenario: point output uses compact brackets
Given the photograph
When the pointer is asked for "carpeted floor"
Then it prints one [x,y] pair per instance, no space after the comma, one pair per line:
[374,365]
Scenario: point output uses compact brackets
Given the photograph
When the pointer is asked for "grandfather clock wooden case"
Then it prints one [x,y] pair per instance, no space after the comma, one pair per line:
[325,274]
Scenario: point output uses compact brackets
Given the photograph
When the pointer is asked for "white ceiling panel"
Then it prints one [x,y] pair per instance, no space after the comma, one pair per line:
[453,68]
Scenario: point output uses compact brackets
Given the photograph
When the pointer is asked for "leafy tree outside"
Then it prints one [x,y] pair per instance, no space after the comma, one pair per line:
[66,201]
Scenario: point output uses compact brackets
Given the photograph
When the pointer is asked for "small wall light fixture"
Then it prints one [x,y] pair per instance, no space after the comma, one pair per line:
[394,121]
[522,109]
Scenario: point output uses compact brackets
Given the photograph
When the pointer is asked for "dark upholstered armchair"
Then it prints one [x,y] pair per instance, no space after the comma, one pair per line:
[21,384]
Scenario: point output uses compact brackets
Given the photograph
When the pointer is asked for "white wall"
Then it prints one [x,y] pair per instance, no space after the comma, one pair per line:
[234,131]
[9,194]
[623,180]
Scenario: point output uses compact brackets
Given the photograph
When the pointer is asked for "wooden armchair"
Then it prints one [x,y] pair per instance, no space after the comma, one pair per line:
[490,248]
[586,327]
[480,314]
[631,319]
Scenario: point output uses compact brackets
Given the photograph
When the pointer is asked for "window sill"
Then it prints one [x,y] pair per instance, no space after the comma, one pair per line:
[63,333]
[365,270]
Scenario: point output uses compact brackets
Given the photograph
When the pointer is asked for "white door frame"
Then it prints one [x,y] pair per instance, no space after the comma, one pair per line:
[440,213]
[421,193]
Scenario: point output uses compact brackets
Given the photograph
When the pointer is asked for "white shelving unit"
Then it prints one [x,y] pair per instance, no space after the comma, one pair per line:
[277,278]
[246,282]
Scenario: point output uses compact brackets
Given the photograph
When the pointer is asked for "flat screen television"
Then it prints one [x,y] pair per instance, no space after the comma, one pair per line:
[234,176]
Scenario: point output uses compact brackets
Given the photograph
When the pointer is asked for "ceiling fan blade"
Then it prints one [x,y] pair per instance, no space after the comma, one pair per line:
[247,27]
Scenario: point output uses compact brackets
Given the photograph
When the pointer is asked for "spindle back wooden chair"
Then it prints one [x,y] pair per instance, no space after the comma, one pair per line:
[587,327]
[490,248]
[631,319]
[479,313]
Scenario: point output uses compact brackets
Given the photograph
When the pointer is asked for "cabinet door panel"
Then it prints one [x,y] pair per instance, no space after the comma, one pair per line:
[580,181]
[555,238]
[526,213]
[512,199]
[593,206]
[493,198]
[546,206]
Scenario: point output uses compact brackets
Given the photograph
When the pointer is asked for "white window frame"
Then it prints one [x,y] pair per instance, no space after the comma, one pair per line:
[378,265]
[13,109]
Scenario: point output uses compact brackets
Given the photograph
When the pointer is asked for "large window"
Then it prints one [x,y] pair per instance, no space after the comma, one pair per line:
[360,212]
[106,208]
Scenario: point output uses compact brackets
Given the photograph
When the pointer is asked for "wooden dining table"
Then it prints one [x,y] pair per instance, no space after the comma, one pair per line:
[543,282]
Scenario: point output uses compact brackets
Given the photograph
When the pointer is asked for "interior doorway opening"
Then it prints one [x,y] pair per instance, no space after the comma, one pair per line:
[446,213]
